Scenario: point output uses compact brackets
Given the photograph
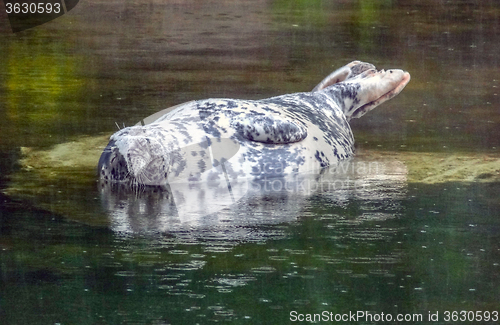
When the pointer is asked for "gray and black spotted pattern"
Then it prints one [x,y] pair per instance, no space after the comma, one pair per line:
[216,140]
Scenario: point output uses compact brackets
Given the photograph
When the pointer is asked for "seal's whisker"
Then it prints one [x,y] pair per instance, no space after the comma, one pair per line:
[117,126]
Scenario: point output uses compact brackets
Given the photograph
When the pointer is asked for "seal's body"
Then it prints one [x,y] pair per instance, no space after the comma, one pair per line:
[284,136]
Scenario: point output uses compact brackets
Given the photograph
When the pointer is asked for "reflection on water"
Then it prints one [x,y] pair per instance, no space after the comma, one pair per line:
[420,234]
[414,252]
[228,206]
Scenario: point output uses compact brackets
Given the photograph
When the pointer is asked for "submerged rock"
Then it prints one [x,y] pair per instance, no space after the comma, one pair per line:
[64,180]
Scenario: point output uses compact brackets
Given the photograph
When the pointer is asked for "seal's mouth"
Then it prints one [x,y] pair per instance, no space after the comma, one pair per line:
[360,111]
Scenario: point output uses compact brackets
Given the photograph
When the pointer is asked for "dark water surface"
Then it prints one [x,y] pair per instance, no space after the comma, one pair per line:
[392,246]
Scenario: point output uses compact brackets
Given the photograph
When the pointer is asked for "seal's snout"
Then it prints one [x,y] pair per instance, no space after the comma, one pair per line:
[146,160]
[134,159]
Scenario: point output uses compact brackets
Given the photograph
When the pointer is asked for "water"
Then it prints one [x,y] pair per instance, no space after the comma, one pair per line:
[417,234]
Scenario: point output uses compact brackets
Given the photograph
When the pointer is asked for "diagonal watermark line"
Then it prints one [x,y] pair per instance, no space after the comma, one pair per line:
[63,3]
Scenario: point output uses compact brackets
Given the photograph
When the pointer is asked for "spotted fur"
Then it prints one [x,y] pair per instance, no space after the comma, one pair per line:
[217,140]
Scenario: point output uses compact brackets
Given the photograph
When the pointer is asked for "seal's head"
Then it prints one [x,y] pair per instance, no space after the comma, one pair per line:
[134,156]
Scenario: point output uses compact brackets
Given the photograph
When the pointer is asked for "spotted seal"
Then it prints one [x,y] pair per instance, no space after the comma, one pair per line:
[215,139]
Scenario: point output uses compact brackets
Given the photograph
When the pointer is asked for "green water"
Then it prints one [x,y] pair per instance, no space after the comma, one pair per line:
[436,249]
[395,248]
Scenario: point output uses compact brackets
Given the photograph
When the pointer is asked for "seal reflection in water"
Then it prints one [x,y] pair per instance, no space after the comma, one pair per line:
[229,140]
[246,211]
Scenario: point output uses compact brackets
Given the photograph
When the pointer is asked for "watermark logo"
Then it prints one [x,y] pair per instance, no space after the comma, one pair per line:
[25,14]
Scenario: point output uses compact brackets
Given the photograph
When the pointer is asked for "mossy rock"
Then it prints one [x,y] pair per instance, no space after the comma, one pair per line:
[63,179]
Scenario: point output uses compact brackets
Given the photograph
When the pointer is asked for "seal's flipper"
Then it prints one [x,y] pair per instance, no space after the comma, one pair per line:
[346,72]
[270,129]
